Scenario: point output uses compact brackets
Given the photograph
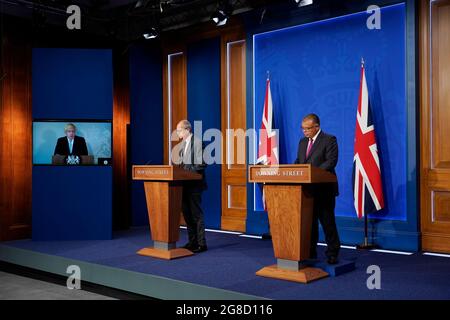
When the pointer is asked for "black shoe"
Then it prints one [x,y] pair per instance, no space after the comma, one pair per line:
[189,246]
[200,249]
[332,260]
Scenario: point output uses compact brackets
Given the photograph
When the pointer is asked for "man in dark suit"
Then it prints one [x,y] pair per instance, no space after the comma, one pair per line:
[321,150]
[71,144]
[191,159]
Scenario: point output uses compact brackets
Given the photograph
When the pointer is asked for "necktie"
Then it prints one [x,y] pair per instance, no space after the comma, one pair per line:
[71,146]
[310,144]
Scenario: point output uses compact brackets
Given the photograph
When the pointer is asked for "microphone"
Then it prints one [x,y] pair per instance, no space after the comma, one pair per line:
[148,162]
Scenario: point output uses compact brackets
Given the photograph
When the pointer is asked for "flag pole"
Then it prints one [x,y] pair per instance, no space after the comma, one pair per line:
[366,245]
[267,235]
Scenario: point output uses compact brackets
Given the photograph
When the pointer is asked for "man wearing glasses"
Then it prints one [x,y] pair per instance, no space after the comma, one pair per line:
[191,159]
[321,150]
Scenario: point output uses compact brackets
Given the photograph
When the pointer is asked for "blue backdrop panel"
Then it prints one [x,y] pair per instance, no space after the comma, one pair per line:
[203,95]
[394,228]
[72,203]
[146,119]
[45,134]
[72,83]
[315,67]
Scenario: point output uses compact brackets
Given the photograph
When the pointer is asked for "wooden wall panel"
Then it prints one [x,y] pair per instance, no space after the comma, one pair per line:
[15,137]
[234,212]
[175,97]
[234,183]
[236,95]
[121,120]
[435,116]
[440,65]
[237,197]
[441,201]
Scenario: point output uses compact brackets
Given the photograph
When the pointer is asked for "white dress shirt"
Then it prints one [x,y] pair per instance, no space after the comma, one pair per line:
[187,141]
[70,144]
[311,141]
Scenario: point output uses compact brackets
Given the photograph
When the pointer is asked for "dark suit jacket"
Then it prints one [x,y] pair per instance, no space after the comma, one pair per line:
[79,147]
[323,154]
[192,160]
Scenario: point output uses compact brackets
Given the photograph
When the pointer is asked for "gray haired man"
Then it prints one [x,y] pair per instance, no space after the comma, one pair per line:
[191,159]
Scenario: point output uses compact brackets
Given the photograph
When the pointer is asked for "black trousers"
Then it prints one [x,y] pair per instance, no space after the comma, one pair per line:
[193,215]
[323,211]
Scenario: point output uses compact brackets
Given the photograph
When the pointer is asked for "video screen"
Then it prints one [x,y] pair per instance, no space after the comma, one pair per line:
[71,142]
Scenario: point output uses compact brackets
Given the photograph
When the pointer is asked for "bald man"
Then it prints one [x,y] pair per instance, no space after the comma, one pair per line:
[321,150]
[191,159]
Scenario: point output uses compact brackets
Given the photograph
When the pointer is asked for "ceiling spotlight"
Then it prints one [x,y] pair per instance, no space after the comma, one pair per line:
[220,18]
[223,12]
[302,3]
[151,34]
[139,4]
[164,5]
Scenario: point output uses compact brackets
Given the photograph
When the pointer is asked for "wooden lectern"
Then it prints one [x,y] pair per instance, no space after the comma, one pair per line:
[163,192]
[290,209]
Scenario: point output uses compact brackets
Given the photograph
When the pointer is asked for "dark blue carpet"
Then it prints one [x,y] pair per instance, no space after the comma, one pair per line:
[231,263]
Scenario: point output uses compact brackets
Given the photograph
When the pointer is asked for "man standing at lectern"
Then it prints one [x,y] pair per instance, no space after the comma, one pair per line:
[71,144]
[321,150]
[191,159]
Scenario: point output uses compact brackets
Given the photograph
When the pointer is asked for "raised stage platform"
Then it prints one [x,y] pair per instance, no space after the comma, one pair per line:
[227,269]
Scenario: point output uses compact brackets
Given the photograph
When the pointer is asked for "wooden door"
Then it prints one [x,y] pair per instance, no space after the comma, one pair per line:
[435,128]
[174,100]
[234,184]
[174,97]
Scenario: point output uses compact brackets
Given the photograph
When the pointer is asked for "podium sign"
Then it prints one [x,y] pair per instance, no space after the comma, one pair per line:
[290,209]
[163,193]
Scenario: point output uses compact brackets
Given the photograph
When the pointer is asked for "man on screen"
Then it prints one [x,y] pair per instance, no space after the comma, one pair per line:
[71,144]
[321,150]
[191,159]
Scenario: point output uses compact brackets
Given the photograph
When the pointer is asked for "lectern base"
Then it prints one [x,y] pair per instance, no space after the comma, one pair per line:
[304,275]
[165,254]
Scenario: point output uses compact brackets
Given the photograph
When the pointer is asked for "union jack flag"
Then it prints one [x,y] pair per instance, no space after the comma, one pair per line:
[367,184]
[268,142]
[268,139]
